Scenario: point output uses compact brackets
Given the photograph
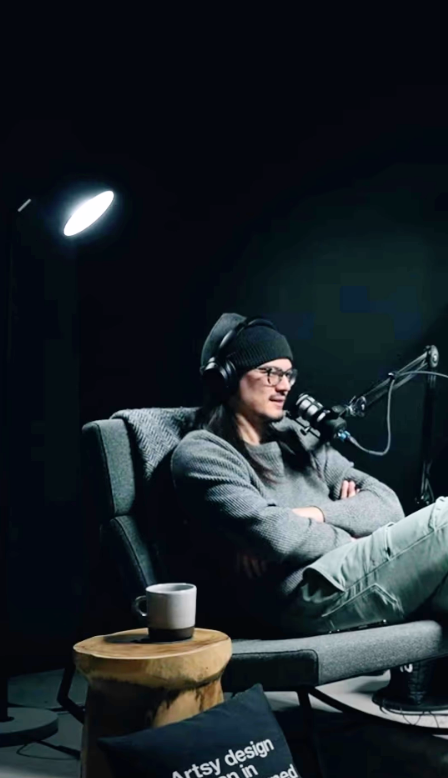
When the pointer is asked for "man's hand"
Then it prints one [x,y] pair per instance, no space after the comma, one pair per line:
[250,566]
[310,513]
[349,489]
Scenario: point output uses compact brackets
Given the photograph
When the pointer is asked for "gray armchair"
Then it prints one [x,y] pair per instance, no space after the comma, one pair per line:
[126,467]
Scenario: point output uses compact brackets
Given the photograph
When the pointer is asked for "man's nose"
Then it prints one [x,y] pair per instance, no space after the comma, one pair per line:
[284,384]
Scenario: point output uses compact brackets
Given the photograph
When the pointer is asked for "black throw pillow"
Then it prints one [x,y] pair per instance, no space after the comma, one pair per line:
[239,738]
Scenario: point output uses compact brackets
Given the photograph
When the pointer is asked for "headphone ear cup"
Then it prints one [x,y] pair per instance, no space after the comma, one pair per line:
[231,377]
[214,380]
[220,379]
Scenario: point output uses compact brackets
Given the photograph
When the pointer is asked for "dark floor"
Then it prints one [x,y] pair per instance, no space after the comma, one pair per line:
[348,748]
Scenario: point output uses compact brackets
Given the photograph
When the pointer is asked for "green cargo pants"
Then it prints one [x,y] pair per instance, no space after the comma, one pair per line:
[399,571]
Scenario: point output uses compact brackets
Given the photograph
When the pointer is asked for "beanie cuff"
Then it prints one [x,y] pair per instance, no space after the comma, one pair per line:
[257,353]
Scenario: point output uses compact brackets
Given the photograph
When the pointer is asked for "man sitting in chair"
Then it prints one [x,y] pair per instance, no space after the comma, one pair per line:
[320,545]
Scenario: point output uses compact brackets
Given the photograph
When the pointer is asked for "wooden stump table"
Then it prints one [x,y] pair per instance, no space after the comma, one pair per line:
[135,684]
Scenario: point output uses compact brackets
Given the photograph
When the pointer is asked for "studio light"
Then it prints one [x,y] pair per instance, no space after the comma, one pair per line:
[87,213]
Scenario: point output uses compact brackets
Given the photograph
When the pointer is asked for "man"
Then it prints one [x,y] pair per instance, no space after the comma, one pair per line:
[321,545]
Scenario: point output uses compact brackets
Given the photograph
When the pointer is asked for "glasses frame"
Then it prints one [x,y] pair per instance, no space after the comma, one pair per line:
[279,374]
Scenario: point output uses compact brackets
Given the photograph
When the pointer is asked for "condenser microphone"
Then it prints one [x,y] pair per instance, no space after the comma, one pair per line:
[329,423]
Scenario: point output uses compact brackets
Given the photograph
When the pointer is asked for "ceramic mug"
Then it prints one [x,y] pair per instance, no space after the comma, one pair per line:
[170,611]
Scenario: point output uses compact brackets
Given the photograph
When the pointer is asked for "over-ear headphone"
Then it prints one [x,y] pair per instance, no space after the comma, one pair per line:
[219,374]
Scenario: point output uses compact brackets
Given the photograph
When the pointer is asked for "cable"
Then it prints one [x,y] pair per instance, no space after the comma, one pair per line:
[353,440]
[405,716]
[424,372]
[72,752]
[58,709]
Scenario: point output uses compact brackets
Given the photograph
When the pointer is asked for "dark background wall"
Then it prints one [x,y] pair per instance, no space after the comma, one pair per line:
[332,221]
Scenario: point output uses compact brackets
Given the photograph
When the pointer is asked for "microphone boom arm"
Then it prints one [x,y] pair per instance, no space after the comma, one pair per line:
[330,423]
[427,361]
[359,405]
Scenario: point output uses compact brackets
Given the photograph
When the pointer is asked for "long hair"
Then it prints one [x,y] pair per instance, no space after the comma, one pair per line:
[219,418]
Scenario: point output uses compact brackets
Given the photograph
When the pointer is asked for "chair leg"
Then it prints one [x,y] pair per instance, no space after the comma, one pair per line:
[312,756]
[90,615]
[86,618]
[77,711]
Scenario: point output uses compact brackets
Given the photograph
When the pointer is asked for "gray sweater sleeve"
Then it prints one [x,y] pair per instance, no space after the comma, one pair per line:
[215,485]
[375,505]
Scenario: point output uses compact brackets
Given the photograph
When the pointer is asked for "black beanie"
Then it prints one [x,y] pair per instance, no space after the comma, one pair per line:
[252,346]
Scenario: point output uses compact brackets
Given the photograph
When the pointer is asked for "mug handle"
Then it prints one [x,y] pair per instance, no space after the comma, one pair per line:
[136,606]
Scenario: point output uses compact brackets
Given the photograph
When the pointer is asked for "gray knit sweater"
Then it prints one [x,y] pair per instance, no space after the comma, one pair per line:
[231,508]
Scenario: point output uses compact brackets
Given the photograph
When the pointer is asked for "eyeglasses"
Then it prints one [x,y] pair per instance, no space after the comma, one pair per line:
[275,375]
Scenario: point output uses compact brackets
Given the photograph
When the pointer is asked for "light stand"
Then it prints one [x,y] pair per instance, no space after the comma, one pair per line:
[19,724]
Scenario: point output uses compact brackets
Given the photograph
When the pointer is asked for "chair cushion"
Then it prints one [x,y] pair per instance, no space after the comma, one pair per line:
[313,661]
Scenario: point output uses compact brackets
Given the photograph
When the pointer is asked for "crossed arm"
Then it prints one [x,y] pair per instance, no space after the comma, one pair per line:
[253,567]
[348,489]
[215,485]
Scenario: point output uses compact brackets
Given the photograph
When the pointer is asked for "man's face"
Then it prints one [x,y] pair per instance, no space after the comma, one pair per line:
[257,399]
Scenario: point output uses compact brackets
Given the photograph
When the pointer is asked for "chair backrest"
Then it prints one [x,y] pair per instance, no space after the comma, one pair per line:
[109,477]
[129,499]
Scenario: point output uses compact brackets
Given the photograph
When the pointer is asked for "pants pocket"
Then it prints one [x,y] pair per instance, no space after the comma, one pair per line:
[364,607]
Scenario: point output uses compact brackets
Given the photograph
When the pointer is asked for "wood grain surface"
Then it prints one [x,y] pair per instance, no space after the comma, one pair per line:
[133,685]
